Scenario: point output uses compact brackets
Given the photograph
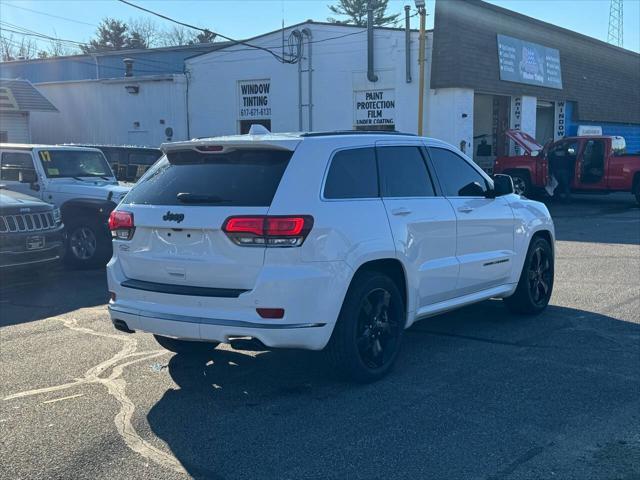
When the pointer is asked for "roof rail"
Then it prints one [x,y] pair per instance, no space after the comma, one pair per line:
[356,132]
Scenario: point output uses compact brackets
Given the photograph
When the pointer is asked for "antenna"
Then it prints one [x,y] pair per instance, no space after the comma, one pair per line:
[616,23]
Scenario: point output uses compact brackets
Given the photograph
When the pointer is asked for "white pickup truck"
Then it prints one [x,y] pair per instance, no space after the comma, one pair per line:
[79,181]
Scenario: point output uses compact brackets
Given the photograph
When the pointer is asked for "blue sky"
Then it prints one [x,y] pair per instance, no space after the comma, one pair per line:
[247,18]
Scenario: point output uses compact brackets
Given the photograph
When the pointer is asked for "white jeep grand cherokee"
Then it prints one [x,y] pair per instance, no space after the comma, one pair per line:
[335,241]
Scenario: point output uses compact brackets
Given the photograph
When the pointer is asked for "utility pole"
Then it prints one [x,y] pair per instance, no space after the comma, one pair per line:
[422,11]
[616,23]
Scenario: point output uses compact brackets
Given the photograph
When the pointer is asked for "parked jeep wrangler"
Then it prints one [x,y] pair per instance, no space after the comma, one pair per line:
[77,180]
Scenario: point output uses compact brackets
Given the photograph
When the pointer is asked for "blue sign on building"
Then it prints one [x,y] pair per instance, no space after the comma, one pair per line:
[530,63]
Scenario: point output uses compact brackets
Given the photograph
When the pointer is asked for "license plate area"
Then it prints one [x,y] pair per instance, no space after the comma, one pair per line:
[35,242]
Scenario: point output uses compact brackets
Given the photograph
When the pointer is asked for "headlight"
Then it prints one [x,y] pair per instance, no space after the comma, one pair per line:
[57,216]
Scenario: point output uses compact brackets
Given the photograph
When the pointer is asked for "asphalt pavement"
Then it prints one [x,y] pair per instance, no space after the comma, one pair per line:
[476,394]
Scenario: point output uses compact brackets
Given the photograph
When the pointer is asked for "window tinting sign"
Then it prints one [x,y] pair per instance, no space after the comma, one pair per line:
[254,99]
[530,63]
[374,107]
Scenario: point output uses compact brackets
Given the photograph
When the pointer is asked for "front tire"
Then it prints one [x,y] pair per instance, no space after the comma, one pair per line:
[367,336]
[536,280]
[184,346]
[88,244]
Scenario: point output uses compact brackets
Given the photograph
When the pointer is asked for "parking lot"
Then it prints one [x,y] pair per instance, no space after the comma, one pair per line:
[477,393]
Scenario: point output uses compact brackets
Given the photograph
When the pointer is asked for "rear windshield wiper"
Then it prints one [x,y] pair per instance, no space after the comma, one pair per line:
[196,198]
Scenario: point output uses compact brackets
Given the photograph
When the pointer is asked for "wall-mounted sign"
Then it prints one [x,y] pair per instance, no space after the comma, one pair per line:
[374,107]
[530,63]
[255,102]
[586,130]
[560,121]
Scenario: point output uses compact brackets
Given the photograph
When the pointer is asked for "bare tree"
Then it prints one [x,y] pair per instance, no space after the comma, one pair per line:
[12,49]
[177,35]
[146,31]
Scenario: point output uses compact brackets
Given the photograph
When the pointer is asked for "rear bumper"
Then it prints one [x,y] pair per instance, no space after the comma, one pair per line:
[311,295]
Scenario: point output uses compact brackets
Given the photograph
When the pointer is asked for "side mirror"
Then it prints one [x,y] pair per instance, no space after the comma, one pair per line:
[28,176]
[502,185]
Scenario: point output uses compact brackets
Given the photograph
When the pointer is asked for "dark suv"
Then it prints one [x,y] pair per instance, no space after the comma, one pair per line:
[31,231]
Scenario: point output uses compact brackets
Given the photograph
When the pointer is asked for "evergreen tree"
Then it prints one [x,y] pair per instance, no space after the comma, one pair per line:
[356,11]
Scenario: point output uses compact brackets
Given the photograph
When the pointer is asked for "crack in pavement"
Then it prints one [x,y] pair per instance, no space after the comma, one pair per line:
[116,387]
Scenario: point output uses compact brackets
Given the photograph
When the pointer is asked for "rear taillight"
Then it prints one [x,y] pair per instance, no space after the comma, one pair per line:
[121,225]
[268,230]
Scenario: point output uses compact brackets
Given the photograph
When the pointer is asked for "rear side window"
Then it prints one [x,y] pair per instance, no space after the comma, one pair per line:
[403,173]
[352,174]
[456,175]
[241,178]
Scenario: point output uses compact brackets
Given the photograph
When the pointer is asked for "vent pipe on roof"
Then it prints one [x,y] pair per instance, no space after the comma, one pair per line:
[371,76]
[128,67]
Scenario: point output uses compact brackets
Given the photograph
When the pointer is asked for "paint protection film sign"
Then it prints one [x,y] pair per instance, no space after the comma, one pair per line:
[254,99]
[374,107]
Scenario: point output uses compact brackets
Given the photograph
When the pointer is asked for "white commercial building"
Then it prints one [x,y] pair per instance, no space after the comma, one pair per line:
[143,111]
[330,88]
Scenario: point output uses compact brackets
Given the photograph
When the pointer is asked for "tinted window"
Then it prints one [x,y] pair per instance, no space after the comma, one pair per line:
[13,163]
[352,175]
[456,175]
[239,178]
[403,173]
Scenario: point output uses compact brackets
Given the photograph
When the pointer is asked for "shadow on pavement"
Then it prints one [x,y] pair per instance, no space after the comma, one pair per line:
[475,393]
[30,296]
[614,218]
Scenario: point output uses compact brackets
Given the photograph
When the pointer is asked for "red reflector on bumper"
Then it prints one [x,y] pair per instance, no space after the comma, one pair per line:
[270,312]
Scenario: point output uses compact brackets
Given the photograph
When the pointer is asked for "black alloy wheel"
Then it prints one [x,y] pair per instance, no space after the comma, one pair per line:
[377,332]
[540,276]
[535,286]
[366,339]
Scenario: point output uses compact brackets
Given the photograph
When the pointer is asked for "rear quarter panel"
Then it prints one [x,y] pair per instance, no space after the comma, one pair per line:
[621,171]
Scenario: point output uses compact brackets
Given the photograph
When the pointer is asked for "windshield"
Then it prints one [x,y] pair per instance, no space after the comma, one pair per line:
[75,163]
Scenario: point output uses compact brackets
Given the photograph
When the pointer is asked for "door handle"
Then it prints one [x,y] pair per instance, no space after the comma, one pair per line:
[465,209]
[400,211]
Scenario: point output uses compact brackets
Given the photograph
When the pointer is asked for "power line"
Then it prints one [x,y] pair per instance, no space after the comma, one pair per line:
[50,15]
[204,30]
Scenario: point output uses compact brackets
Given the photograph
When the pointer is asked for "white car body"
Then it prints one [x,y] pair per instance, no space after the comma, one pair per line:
[453,250]
[57,191]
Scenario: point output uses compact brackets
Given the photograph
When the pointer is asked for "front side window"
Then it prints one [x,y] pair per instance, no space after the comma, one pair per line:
[74,163]
[457,177]
[13,164]
[403,172]
[352,174]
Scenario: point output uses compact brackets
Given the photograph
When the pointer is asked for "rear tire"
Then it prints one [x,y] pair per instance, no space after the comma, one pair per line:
[88,244]
[367,336]
[184,346]
[536,280]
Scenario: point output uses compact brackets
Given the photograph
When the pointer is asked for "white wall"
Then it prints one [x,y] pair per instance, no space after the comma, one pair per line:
[16,125]
[339,68]
[103,112]
[450,116]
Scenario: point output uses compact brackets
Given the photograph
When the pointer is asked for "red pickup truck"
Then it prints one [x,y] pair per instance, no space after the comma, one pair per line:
[600,166]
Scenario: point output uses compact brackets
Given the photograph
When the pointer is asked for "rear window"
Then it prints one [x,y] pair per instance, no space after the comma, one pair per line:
[241,178]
